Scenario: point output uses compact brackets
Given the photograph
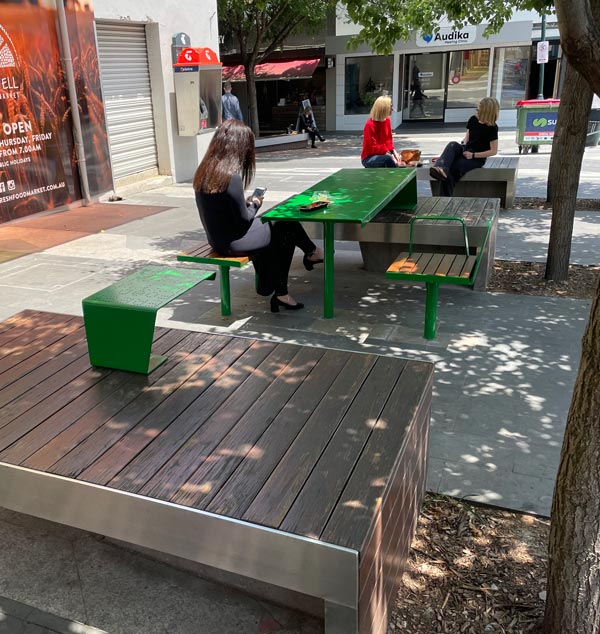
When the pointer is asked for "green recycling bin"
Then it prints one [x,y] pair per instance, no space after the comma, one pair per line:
[536,120]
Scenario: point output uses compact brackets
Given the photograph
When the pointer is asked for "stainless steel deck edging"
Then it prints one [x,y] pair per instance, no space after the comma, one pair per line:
[290,561]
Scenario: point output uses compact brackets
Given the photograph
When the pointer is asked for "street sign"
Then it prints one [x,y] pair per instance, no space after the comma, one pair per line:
[542,52]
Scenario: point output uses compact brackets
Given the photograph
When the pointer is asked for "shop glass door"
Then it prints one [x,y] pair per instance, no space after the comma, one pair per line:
[425,87]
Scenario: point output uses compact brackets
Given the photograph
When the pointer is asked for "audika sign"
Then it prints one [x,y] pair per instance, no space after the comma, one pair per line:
[447,36]
[37,162]
[539,126]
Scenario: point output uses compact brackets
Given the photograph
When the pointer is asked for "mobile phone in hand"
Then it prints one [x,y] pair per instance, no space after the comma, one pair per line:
[259,192]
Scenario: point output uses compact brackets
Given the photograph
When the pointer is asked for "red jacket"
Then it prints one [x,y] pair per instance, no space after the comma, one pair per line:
[377,138]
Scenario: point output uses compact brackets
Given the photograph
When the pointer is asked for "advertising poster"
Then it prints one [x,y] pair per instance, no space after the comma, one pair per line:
[37,159]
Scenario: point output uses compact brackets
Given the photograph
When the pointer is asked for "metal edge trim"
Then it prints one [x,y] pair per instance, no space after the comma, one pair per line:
[290,561]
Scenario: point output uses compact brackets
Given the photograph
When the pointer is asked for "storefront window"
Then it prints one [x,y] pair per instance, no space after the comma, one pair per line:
[366,79]
[468,78]
[509,77]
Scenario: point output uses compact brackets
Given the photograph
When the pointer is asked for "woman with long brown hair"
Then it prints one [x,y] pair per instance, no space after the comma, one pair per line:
[230,221]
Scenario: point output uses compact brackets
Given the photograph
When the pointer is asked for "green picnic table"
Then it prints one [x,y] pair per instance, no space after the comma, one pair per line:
[356,196]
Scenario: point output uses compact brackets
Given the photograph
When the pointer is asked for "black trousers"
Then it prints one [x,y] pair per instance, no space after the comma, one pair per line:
[272,261]
[455,165]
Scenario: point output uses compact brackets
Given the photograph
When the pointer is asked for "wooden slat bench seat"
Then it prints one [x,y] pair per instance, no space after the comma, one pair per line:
[298,467]
[120,319]
[496,179]
[203,253]
[437,268]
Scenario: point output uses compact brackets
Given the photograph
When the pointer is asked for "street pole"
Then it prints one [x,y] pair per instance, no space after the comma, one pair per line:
[541,66]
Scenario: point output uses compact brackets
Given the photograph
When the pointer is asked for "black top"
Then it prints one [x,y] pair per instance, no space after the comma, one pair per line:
[226,216]
[480,135]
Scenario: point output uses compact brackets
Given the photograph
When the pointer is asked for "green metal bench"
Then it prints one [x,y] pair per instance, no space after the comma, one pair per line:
[119,320]
[437,268]
[203,253]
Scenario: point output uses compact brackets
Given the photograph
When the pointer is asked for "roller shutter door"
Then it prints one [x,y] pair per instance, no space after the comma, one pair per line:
[125,77]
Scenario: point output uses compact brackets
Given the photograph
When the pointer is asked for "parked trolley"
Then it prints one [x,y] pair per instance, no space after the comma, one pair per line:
[536,120]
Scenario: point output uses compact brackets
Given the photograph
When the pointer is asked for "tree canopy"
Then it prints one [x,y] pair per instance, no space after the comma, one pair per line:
[384,22]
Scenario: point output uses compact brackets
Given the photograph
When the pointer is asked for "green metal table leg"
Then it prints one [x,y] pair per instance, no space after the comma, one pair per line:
[328,279]
[225,291]
[120,338]
[431,310]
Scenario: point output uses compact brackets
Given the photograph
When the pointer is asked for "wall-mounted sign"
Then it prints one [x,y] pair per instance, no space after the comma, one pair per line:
[447,36]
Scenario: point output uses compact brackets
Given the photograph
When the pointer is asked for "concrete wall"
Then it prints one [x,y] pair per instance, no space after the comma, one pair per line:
[178,156]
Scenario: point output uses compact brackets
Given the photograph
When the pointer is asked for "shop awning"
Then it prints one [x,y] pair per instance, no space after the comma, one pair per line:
[291,69]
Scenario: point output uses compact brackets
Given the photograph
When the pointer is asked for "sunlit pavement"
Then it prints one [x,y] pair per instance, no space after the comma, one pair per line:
[505,366]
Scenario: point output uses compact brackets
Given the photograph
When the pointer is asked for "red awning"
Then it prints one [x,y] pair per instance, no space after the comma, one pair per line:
[294,69]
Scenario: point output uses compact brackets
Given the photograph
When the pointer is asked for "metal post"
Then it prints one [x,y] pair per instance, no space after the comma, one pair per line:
[72,92]
[542,66]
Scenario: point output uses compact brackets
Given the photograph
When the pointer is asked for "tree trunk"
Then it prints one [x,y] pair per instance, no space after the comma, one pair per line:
[565,168]
[573,597]
[252,104]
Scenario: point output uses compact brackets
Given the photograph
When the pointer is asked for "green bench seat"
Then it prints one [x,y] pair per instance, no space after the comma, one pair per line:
[437,268]
[119,320]
[203,253]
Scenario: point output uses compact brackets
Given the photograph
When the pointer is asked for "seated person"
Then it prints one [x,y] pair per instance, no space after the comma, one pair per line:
[480,142]
[306,121]
[378,147]
[230,221]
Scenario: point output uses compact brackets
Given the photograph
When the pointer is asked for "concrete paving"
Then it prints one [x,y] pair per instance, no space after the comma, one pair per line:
[505,369]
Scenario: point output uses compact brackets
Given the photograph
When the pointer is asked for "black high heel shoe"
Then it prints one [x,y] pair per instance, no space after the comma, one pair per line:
[276,303]
[309,264]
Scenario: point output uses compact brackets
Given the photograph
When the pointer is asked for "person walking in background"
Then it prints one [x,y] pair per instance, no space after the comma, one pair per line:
[231,104]
[378,148]
[480,142]
[230,220]
[306,121]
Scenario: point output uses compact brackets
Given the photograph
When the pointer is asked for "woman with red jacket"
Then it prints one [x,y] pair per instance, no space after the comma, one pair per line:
[378,148]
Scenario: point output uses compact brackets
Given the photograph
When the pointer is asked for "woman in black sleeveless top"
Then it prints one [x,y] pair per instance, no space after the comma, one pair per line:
[480,142]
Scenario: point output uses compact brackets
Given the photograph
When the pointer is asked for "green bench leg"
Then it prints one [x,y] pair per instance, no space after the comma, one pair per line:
[431,309]
[225,291]
[121,338]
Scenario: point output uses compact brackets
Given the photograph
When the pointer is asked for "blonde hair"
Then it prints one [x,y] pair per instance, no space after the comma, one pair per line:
[488,110]
[381,109]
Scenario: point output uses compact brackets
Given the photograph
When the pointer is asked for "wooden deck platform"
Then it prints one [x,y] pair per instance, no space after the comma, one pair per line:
[299,467]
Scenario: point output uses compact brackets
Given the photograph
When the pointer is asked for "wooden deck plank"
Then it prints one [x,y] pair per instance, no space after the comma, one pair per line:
[153,457]
[84,426]
[210,476]
[362,496]
[169,478]
[242,487]
[19,337]
[317,499]
[279,492]
[90,449]
[63,418]
[40,384]
[44,350]
[117,457]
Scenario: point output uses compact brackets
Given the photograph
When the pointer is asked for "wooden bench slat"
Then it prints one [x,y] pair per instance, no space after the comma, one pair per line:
[162,448]
[433,264]
[242,487]
[105,436]
[47,430]
[173,475]
[120,454]
[317,499]
[227,455]
[276,497]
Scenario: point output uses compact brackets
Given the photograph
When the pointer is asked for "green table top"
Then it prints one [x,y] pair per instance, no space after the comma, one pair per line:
[149,288]
[355,195]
